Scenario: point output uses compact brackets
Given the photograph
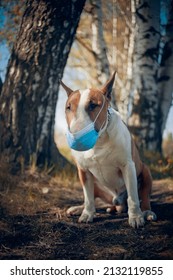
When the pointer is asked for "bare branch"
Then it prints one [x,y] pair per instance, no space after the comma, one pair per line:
[80,41]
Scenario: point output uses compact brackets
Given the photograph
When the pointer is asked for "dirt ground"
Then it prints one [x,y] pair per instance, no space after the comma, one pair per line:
[34,225]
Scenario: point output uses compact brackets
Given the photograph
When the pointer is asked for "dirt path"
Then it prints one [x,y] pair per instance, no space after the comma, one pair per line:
[33,225]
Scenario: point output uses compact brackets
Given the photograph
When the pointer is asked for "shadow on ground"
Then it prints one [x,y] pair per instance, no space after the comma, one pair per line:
[34,225]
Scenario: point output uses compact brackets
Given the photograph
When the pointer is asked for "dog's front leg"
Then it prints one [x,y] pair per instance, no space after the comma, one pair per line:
[87,181]
[135,214]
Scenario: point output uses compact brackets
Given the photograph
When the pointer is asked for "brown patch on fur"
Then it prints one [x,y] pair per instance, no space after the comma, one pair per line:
[136,157]
[71,106]
[82,176]
[67,89]
[96,97]
[100,193]
[108,198]
[145,179]
[145,188]
[107,88]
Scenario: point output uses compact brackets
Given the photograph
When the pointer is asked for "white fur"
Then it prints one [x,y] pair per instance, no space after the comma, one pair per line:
[89,209]
[81,118]
[110,155]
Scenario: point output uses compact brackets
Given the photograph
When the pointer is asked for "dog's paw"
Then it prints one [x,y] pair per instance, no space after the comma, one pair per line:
[75,210]
[136,221]
[86,217]
[149,215]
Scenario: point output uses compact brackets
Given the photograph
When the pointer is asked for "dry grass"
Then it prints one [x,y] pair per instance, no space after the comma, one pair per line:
[34,225]
[34,191]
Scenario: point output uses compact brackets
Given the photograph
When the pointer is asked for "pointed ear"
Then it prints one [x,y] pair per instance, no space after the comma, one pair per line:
[107,88]
[67,89]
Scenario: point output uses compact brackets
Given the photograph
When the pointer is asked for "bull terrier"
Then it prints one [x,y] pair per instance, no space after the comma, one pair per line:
[108,162]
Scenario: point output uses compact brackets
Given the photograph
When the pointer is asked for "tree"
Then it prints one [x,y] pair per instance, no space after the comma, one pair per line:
[152,74]
[165,74]
[30,90]
[12,11]
[0,85]
[145,115]
[99,47]
[135,45]
[91,40]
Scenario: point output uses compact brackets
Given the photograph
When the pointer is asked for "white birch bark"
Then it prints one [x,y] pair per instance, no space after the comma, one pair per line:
[130,59]
[114,34]
[98,43]
[144,119]
[124,58]
[99,46]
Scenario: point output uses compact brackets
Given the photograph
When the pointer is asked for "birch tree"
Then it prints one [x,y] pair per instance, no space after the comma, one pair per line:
[165,79]
[99,47]
[145,118]
[152,73]
[30,91]
[125,88]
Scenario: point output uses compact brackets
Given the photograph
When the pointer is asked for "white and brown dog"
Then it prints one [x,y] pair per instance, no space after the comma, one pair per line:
[107,159]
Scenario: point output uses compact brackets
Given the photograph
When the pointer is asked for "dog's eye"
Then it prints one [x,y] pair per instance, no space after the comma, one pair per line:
[68,108]
[92,106]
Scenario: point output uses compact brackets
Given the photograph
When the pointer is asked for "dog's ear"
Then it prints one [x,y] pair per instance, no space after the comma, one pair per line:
[107,88]
[67,89]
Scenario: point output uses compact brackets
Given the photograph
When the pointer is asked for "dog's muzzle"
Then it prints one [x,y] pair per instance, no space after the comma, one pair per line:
[86,138]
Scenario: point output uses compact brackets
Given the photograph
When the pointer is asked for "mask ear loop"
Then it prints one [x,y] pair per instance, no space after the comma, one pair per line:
[99,111]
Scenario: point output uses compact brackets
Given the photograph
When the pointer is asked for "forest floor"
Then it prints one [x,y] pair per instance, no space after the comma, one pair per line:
[34,224]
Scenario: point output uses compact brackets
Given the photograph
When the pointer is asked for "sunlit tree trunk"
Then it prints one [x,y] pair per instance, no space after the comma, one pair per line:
[99,46]
[130,61]
[123,30]
[145,117]
[98,42]
[30,90]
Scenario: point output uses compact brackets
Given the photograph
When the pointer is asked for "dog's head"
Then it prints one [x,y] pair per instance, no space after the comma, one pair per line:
[83,106]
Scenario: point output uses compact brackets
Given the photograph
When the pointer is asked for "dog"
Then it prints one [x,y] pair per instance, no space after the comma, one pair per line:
[107,159]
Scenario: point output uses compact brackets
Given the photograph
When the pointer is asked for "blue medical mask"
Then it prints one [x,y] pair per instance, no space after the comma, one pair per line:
[85,138]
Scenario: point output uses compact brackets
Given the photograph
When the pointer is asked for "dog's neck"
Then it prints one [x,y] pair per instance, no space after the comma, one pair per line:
[106,126]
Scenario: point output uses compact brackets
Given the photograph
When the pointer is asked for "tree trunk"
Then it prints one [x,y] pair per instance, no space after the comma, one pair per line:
[125,90]
[30,91]
[99,46]
[1,84]
[165,80]
[145,118]
[130,60]
[98,43]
